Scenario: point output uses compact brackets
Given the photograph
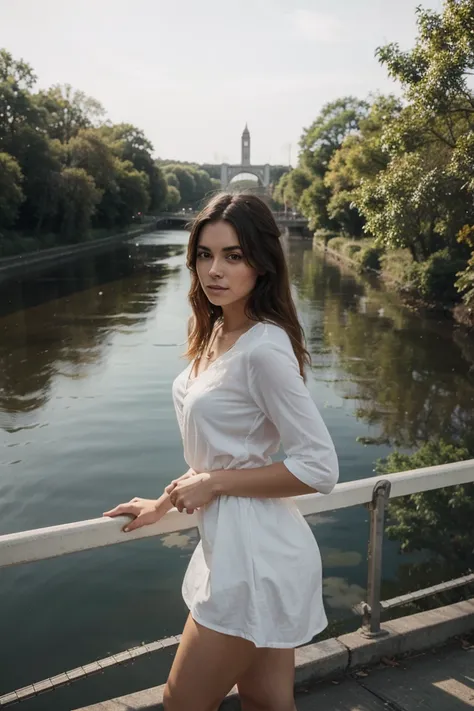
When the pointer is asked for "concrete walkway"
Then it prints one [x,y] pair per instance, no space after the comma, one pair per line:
[442,680]
[439,680]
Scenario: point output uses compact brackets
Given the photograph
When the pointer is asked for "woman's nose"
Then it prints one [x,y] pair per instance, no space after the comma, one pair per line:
[216,269]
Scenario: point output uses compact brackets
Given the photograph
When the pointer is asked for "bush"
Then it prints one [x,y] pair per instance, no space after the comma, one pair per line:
[337,244]
[49,240]
[435,279]
[396,265]
[30,244]
[439,521]
[352,249]
[369,258]
[325,235]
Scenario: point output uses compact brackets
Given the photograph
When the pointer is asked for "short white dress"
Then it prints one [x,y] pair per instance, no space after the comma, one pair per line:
[256,572]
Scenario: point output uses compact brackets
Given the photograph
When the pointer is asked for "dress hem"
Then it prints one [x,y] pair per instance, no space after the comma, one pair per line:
[269,645]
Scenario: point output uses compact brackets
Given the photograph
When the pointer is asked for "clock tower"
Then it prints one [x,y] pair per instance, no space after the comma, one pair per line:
[246,146]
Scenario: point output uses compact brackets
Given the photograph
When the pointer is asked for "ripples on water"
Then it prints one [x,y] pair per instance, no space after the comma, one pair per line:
[87,356]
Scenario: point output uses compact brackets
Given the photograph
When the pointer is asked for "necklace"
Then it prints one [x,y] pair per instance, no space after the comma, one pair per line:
[210,352]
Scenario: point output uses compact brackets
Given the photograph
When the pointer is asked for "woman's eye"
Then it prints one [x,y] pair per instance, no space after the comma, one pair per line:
[202,255]
[235,257]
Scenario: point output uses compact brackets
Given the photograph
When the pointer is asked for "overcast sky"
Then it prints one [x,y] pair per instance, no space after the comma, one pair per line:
[191,73]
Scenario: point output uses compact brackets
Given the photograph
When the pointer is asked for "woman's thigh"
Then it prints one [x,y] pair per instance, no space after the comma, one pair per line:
[206,667]
[267,685]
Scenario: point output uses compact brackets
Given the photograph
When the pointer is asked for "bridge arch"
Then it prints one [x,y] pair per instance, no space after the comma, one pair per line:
[247,176]
[261,172]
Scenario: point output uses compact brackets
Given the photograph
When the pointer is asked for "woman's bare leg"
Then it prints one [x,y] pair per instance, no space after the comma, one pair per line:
[206,667]
[268,683]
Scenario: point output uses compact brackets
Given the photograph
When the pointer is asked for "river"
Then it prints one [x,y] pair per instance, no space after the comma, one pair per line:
[88,353]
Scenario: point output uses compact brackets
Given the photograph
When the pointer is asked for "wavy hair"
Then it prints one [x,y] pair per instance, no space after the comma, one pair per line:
[270,299]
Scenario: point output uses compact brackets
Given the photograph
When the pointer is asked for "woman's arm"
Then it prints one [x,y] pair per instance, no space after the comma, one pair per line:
[276,386]
[272,481]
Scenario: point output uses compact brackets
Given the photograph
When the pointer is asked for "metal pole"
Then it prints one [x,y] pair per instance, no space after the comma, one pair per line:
[371,609]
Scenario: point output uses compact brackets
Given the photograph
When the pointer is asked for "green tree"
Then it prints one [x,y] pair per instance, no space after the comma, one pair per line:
[11,194]
[171,179]
[89,150]
[134,192]
[314,203]
[439,521]
[67,111]
[415,203]
[336,120]
[16,106]
[78,197]
[186,183]
[360,158]
[173,198]
[65,154]
[291,187]
[204,185]
[136,148]
[435,73]
[41,160]
[465,281]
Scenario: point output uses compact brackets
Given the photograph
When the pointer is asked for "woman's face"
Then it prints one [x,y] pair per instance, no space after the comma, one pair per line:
[224,274]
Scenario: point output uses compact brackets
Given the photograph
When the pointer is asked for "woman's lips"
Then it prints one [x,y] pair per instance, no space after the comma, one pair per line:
[217,288]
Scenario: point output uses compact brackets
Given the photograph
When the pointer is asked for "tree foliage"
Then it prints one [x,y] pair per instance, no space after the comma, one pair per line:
[402,172]
[64,169]
[11,194]
[194,184]
[439,521]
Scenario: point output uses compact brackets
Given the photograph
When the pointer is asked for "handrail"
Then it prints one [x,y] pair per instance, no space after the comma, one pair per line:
[53,541]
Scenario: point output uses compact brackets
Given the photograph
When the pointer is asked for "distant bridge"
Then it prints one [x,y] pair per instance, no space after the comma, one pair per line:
[291,221]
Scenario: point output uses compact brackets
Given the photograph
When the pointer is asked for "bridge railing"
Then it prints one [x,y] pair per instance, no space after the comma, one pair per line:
[54,541]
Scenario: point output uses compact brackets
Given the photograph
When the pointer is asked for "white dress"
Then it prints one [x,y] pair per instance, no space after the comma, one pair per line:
[256,572]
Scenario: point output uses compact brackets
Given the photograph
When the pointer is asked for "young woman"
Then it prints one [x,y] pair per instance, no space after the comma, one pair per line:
[253,585]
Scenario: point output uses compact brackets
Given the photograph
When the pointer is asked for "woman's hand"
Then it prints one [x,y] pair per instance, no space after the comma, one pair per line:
[172,485]
[192,493]
[145,512]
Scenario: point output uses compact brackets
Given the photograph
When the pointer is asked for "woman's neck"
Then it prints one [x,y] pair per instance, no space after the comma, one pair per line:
[234,318]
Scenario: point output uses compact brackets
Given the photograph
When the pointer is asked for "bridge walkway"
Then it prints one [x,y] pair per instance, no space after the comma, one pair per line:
[441,679]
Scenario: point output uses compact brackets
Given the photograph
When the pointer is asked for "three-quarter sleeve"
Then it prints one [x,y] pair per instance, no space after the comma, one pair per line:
[278,389]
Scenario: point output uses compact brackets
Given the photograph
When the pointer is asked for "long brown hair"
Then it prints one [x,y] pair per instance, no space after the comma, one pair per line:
[270,299]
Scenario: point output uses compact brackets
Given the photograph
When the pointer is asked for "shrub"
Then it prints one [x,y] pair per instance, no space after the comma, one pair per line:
[30,244]
[49,240]
[435,279]
[352,249]
[337,243]
[325,235]
[439,521]
[396,265]
[369,258]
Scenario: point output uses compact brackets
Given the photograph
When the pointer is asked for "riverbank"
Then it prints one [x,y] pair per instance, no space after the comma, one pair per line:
[30,262]
[393,279]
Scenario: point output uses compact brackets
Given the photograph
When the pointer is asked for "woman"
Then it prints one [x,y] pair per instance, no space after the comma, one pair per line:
[253,585]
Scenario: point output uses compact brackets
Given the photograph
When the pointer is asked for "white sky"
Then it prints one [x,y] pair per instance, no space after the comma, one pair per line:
[191,73]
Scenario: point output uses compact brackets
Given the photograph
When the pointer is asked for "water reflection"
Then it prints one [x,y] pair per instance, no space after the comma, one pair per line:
[61,322]
[339,594]
[401,370]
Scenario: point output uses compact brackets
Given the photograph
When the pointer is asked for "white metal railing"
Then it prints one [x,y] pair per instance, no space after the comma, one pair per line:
[53,541]
[42,543]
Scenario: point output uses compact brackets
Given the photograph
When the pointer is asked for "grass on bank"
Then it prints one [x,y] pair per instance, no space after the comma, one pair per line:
[432,281]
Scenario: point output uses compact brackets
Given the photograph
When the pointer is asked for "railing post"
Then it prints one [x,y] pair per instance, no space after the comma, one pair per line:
[371,608]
